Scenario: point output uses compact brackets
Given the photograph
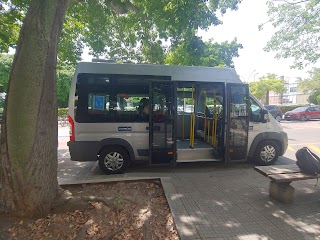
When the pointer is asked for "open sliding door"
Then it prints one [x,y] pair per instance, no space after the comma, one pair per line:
[162,130]
[237,126]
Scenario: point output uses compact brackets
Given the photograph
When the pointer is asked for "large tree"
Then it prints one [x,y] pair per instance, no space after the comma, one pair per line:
[28,170]
[28,175]
[297,24]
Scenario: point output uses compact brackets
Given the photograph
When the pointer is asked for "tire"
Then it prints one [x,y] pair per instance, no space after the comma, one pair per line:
[266,153]
[303,118]
[278,118]
[114,160]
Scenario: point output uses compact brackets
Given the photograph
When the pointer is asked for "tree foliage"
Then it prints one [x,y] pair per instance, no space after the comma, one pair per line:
[311,85]
[193,51]
[128,31]
[314,97]
[64,76]
[11,16]
[270,82]
[5,67]
[298,30]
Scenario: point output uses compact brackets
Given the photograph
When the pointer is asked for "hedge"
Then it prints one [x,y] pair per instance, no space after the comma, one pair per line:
[286,108]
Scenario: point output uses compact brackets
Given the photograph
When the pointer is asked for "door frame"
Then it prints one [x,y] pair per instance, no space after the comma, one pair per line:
[174,123]
[227,156]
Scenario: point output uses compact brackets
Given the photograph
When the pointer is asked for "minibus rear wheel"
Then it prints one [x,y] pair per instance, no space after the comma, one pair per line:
[267,153]
[114,160]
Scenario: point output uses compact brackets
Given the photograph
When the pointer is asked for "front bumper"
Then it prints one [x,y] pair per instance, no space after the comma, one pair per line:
[291,117]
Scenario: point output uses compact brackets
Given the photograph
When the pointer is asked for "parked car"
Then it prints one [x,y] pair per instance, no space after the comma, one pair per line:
[274,111]
[303,113]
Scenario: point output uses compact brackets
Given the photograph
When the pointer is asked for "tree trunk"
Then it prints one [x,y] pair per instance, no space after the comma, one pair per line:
[28,170]
[267,98]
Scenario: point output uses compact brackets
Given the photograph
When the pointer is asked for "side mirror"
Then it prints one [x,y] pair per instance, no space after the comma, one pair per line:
[264,116]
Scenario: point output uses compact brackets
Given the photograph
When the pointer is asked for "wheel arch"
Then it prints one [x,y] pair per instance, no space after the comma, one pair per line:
[270,136]
[117,142]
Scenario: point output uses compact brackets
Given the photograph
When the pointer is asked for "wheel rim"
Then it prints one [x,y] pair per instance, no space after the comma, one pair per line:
[113,161]
[303,118]
[268,153]
[278,118]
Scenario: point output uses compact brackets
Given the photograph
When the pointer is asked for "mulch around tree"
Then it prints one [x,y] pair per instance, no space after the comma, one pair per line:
[122,210]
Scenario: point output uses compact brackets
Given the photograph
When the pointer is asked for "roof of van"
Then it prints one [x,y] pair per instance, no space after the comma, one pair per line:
[177,73]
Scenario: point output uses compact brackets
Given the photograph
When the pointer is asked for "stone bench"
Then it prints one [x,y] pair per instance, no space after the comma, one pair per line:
[281,176]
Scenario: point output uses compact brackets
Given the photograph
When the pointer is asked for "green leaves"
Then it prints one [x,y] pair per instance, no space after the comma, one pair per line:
[267,83]
[193,51]
[311,85]
[64,76]
[127,30]
[5,68]
[11,15]
[298,31]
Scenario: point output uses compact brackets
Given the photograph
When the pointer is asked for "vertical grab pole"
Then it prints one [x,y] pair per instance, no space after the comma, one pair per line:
[209,126]
[209,123]
[192,121]
[182,133]
[215,119]
[205,116]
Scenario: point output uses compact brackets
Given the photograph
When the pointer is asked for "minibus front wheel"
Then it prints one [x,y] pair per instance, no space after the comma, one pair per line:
[114,160]
[266,153]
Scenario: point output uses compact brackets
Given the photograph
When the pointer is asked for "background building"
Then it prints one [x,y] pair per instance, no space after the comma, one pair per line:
[292,96]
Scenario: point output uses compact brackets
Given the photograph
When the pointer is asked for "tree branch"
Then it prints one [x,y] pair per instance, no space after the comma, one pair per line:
[292,3]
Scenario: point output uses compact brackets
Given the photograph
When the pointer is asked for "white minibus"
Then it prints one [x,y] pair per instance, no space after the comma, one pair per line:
[120,114]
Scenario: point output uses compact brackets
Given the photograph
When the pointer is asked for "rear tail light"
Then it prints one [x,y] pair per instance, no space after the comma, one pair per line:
[71,125]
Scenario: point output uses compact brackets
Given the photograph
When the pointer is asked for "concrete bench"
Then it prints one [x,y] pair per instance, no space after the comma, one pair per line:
[281,176]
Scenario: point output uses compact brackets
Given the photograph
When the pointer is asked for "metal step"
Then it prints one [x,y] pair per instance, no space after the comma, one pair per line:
[196,155]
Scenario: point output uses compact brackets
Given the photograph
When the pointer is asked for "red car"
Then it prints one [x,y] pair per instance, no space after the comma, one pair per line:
[303,113]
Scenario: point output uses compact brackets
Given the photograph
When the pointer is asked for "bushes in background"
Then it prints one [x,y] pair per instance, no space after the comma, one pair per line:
[286,108]
[62,112]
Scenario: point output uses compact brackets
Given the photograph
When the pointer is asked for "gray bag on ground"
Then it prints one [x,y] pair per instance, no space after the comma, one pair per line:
[307,161]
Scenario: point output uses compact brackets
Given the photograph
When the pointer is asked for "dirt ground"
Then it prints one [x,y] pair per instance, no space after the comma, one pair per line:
[122,210]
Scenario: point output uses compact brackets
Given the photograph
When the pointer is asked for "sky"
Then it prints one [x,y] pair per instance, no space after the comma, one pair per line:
[253,62]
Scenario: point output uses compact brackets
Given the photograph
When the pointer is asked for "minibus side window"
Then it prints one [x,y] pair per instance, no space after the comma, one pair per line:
[112,103]
[255,111]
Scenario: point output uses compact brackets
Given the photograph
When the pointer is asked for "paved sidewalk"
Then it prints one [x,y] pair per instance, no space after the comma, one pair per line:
[234,204]
[212,202]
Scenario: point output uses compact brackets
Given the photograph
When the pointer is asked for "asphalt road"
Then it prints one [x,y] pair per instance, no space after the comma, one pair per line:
[300,134]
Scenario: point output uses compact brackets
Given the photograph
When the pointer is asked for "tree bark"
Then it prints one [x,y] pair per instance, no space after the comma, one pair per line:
[267,97]
[28,166]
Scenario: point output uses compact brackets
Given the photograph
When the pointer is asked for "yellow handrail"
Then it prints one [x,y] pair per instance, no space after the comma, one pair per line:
[214,134]
[183,96]
[205,116]
[209,123]
[192,120]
